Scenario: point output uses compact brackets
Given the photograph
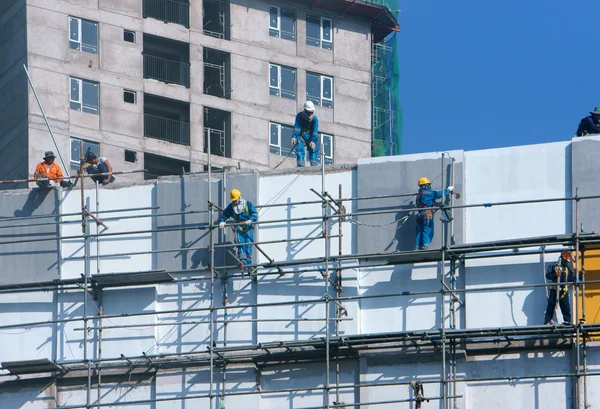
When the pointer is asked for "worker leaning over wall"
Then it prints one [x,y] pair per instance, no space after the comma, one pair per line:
[306,135]
[426,199]
[242,211]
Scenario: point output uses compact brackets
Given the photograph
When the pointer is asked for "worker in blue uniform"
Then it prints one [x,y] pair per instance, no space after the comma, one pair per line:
[242,211]
[426,199]
[306,135]
[560,272]
[590,125]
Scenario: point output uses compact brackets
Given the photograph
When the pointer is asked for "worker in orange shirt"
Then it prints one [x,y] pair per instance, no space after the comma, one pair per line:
[51,171]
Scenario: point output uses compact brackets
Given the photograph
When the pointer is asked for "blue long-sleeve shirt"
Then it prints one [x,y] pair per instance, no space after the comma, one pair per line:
[308,129]
[427,198]
[249,213]
[588,126]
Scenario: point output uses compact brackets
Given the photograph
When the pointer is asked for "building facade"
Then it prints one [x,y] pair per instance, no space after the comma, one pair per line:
[148,83]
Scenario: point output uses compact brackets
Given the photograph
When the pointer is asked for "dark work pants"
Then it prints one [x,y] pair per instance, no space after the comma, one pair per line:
[102,168]
[565,307]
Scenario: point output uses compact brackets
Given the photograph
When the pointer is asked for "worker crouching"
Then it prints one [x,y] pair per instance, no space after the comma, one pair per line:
[557,273]
[306,135]
[244,212]
[426,199]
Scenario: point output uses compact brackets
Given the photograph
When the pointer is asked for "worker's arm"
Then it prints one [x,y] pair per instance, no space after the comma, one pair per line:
[253,212]
[315,133]
[109,168]
[297,127]
[39,169]
[571,276]
[581,128]
[59,174]
[551,274]
[227,213]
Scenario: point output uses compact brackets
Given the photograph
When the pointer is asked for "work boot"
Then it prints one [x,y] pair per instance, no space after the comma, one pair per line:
[551,322]
[300,164]
[314,163]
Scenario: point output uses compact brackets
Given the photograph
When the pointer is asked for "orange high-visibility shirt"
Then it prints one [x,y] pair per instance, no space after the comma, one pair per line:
[53,172]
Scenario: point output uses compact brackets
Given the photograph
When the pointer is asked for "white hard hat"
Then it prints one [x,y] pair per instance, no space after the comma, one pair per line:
[309,106]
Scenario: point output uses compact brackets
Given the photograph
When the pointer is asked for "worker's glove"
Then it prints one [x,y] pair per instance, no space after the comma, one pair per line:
[248,222]
[222,225]
[451,189]
[413,213]
[293,141]
[312,145]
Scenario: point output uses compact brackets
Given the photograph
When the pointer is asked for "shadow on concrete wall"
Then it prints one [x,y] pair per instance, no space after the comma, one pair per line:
[36,197]
[408,306]
[534,303]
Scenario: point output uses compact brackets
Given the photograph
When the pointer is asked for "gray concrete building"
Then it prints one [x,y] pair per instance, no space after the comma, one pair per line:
[147,83]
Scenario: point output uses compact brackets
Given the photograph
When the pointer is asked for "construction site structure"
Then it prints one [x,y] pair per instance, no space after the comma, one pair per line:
[130,296]
[147,83]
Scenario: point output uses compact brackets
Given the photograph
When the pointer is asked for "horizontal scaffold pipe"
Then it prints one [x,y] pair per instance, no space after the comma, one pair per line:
[123,172]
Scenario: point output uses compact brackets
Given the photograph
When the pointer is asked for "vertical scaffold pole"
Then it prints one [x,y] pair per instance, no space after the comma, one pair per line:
[577,312]
[443,309]
[211,252]
[339,295]
[326,275]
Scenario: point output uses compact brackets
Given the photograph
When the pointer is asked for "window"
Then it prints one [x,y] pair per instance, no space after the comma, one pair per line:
[280,141]
[129,36]
[83,95]
[319,89]
[282,81]
[76,154]
[327,141]
[83,35]
[319,32]
[130,156]
[129,96]
[282,23]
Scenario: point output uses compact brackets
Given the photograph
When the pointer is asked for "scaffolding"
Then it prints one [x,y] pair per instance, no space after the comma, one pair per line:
[331,350]
[386,115]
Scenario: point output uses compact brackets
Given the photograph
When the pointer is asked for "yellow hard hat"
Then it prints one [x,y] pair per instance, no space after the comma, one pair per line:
[424,181]
[567,255]
[234,195]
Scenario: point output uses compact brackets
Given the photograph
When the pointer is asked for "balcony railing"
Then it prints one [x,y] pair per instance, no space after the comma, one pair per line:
[167,129]
[169,11]
[169,71]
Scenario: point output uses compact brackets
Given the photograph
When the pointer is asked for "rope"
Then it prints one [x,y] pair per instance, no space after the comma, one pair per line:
[283,160]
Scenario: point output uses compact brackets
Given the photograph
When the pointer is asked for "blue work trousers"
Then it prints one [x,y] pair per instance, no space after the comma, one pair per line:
[565,307]
[244,251]
[102,168]
[313,154]
[424,233]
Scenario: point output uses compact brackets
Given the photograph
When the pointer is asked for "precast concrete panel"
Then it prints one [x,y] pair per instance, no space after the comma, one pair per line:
[39,396]
[122,392]
[191,195]
[534,391]
[34,261]
[585,181]
[398,175]
[507,307]
[17,344]
[513,174]
[399,312]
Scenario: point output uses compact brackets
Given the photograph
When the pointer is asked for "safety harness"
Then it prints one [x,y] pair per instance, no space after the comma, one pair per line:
[562,270]
[427,214]
[243,228]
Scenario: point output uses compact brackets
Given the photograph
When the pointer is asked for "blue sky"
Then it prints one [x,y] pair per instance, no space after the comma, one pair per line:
[478,74]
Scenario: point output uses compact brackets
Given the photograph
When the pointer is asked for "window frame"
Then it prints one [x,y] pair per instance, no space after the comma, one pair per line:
[132,32]
[322,79]
[278,145]
[79,40]
[79,101]
[125,90]
[278,89]
[75,163]
[330,157]
[276,31]
[321,38]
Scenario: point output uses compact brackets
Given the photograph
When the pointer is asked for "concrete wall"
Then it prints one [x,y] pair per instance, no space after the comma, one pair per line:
[13,91]
[395,298]
[119,66]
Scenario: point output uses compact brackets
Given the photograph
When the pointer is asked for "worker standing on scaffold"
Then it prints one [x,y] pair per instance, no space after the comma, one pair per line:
[426,198]
[242,211]
[557,273]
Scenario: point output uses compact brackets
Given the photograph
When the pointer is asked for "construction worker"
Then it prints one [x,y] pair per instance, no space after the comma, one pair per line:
[306,135]
[426,198]
[560,272]
[242,211]
[49,170]
[95,165]
[590,125]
